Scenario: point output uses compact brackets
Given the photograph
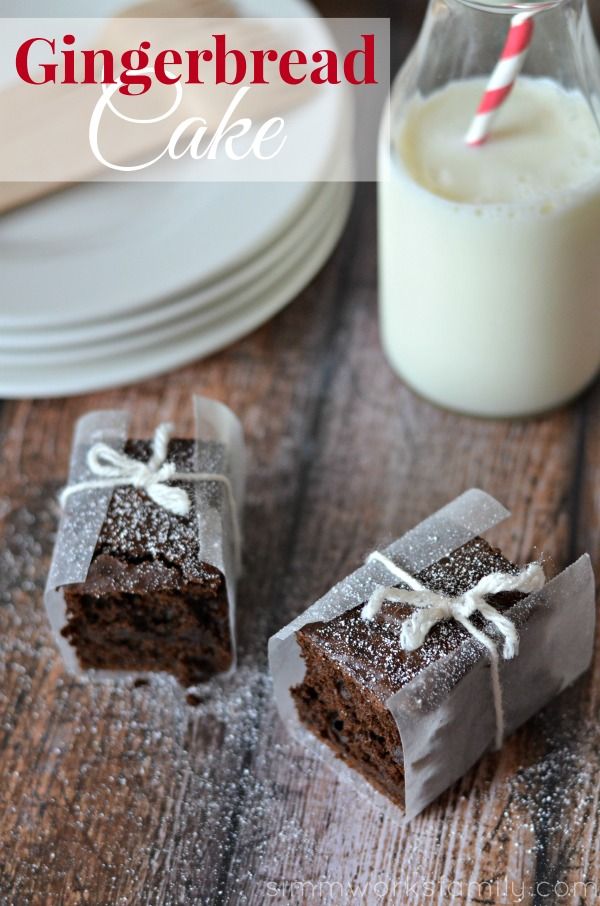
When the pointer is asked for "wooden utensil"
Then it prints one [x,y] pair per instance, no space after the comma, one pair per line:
[40,120]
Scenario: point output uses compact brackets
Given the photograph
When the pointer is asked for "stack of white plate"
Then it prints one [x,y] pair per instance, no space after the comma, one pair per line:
[110,283]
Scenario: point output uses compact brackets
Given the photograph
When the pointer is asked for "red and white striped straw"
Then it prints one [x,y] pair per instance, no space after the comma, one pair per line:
[503,77]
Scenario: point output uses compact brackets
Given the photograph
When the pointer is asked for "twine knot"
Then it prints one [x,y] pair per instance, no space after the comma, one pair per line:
[115,469]
[432,607]
[112,469]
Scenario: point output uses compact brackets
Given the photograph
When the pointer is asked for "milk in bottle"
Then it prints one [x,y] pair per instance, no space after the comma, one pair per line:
[490,256]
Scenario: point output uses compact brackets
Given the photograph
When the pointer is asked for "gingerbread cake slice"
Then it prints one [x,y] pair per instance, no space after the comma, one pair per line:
[149,603]
[353,667]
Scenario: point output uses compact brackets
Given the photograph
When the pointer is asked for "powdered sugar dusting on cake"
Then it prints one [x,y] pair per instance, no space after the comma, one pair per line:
[371,650]
[136,529]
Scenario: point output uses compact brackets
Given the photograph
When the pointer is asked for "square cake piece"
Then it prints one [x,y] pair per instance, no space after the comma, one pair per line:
[354,666]
[149,603]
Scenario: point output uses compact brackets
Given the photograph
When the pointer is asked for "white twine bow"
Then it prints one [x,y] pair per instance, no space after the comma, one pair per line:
[432,607]
[114,469]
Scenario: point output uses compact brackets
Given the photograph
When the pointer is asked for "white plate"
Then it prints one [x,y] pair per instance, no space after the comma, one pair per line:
[193,316]
[98,250]
[160,357]
[93,333]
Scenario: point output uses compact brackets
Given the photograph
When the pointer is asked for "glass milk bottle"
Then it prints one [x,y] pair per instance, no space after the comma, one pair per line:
[490,251]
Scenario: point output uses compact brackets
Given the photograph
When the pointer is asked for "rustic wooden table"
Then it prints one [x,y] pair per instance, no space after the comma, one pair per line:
[122,795]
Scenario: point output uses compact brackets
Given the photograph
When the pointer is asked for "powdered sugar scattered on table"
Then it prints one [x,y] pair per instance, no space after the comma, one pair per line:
[182,804]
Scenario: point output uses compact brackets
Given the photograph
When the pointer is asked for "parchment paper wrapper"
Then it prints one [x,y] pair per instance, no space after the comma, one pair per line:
[219,449]
[445,716]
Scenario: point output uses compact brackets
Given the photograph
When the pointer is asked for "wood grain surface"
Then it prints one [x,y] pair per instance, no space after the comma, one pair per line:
[119,794]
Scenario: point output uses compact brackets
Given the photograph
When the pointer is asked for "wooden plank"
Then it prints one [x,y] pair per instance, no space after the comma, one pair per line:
[112,791]
[123,795]
[383,460]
